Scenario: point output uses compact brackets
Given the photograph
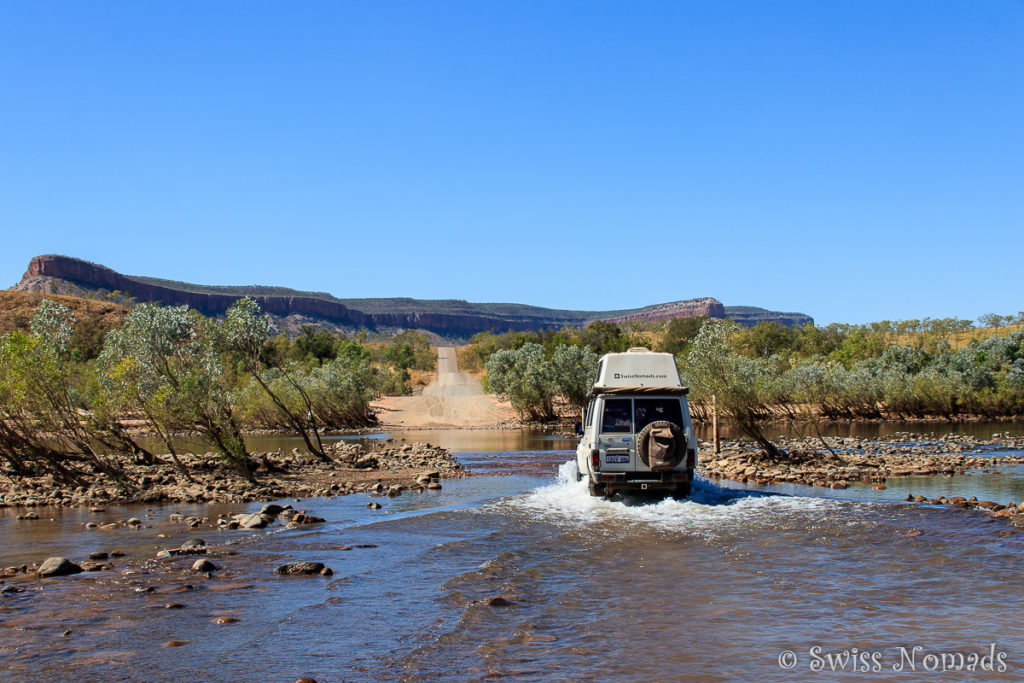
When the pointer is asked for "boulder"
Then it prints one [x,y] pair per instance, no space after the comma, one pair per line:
[57,566]
[253,521]
[203,565]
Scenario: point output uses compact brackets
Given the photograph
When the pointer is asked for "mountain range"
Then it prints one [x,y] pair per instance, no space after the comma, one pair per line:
[448,319]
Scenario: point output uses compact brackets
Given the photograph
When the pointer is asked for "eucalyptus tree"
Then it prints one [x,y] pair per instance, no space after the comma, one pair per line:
[163,363]
[243,332]
[41,408]
[574,371]
[526,377]
[714,368]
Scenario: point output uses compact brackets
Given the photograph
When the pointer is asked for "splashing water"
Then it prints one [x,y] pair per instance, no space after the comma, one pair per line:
[709,507]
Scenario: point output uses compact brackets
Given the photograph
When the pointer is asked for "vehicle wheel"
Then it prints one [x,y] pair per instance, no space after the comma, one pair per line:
[681,490]
[662,453]
[595,489]
[579,475]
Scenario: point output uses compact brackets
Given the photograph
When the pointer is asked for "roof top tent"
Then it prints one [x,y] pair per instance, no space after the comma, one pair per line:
[637,368]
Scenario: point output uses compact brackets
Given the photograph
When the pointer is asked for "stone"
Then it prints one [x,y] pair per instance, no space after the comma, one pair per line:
[300,568]
[271,509]
[99,555]
[373,506]
[498,601]
[176,643]
[135,522]
[57,566]
[252,521]
[226,620]
[203,565]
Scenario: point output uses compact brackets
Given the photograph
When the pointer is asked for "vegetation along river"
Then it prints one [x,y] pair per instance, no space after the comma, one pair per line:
[518,572]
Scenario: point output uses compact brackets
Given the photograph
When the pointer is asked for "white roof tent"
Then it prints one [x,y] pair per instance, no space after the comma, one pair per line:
[638,371]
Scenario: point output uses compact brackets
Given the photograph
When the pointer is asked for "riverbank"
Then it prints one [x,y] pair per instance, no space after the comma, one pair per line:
[353,468]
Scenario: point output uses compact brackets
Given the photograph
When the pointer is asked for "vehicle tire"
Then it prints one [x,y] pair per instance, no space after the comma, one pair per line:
[678,447]
[681,490]
[579,475]
[596,489]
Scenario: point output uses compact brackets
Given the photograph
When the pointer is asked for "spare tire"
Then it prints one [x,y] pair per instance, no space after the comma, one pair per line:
[661,445]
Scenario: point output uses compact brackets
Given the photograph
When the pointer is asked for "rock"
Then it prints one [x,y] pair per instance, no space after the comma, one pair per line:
[326,571]
[306,680]
[300,568]
[203,565]
[174,605]
[57,566]
[176,518]
[498,601]
[135,522]
[434,486]
[226,620]
[253,521]
[176,643]
[10,589]
[99,555]
[192,544]
[373,506]
[28,515]
[271,509]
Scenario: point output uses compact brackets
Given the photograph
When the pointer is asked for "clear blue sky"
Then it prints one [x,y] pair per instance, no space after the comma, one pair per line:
[855,161]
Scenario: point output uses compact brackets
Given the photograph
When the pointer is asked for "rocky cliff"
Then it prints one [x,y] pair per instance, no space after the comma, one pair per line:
[449,319]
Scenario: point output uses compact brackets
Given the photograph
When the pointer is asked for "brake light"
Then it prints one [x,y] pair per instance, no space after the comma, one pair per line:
[595,459]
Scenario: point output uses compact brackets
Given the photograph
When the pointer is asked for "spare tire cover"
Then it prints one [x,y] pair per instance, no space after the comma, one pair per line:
[661,445]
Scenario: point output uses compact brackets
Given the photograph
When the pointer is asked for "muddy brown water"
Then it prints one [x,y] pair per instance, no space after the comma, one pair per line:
[717,587]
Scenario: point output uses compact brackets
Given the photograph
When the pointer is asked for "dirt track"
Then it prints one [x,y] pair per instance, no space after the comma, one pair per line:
[453,399]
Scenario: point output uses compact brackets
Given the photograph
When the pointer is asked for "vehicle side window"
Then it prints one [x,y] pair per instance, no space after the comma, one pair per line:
[588,414]
[617,416]
[650,410]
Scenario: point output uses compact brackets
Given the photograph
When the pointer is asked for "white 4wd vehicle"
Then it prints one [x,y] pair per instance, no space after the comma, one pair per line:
[636,428]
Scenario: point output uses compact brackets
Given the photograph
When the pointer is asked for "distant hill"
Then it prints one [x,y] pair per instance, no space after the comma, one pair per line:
[451,319]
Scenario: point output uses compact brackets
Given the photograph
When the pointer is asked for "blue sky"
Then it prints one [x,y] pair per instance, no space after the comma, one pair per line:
[855,161]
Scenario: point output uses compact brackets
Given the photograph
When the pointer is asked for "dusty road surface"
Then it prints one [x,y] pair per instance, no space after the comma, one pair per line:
[453,399]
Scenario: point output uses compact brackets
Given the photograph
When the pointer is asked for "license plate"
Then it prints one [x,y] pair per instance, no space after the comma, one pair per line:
[615,458]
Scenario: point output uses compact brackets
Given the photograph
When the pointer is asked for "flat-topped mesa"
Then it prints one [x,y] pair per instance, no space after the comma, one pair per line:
[449,319]
[707,306]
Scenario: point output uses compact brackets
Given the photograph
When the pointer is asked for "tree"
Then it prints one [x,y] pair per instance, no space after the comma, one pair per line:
[713,368]
[574,371]
[244,332]
[679,333]
[526,377]
[163,362]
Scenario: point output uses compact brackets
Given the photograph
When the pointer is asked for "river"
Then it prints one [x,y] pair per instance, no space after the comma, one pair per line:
[727,585]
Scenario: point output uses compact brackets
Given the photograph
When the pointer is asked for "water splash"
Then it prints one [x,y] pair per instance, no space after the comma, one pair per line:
[707,509]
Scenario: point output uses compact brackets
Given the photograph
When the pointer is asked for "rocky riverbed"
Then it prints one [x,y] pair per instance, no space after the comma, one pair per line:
[837,463]
[353,468]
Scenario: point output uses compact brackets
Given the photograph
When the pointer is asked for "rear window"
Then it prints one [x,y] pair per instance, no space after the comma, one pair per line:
[617,417]
[648,410]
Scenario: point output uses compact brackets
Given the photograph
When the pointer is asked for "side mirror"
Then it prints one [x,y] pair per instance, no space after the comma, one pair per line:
[579,429]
